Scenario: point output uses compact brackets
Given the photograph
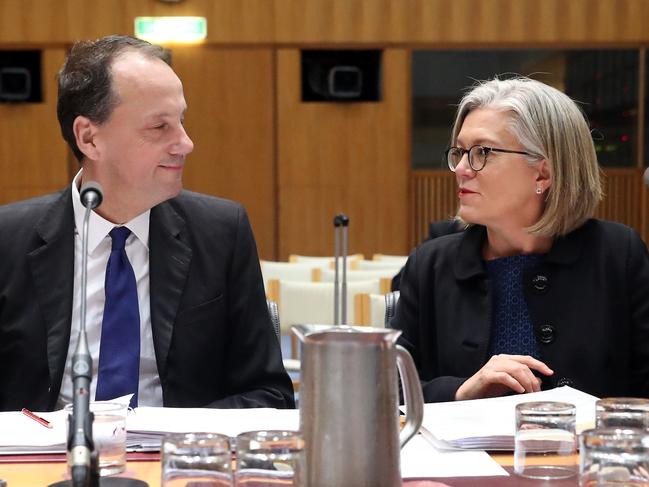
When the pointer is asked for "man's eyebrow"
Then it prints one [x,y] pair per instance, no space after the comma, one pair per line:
[165,114]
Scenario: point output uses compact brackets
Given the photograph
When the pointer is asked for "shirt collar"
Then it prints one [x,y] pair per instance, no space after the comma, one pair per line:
[99,227]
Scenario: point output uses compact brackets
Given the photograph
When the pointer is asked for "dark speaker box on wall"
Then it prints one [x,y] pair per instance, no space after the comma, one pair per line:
[341,75]
[20,76]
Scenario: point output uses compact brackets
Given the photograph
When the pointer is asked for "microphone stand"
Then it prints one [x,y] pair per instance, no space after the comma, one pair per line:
[82,456]
[341,222]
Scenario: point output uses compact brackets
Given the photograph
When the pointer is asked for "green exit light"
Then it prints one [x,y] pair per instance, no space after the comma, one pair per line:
[161,30]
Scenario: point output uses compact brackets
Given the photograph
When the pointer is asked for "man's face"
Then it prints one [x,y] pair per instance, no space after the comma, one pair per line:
[142,146]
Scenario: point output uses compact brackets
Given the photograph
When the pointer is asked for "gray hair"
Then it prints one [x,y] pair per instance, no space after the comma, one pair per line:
[551,125]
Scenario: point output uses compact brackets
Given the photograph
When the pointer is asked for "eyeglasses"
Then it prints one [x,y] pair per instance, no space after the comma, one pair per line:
[477,156]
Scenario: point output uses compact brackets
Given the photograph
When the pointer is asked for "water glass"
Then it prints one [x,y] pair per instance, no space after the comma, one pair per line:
[545,440]
[109,435]
[614,457]
[196,459]
[269,459]
[623,412]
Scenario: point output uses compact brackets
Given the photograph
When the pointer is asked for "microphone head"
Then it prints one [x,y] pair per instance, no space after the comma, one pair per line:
[91,194]
[341,220]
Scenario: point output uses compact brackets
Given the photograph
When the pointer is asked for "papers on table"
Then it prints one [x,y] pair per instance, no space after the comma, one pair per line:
[420,459]
[489,424]
[473,425]
[147,425]
[20,434]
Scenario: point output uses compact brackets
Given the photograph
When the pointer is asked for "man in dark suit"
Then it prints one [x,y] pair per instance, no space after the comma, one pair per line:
[204,336]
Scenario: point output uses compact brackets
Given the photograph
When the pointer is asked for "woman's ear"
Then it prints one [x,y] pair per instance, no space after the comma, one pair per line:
[544,175]
[84,133]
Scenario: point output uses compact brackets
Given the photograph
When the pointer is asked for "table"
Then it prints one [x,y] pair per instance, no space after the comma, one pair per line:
[43,470]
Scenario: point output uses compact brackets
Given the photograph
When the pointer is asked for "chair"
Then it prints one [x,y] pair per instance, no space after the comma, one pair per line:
[291,365]
[376,310]
[391,300]
[367,265]
[313,302]
[395,259]
[323,262]
[288,271]
[273,311]
[383,275]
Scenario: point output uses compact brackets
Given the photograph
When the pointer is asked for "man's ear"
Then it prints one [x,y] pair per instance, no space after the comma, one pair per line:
[544,175]
[84,133]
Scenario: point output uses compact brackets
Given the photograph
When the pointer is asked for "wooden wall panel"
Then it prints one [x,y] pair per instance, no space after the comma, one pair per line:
[33,155]
[442,23]
[626,200]
[343,157]
[228,21]
[433,197]
[60,22]
[229,94]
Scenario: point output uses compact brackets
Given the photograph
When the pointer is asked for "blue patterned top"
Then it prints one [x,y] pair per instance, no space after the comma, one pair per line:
[511,329]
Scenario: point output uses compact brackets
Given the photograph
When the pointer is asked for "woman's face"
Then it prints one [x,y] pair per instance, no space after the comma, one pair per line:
[503,193]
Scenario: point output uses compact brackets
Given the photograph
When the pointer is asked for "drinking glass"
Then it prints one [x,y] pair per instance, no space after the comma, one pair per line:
[614,457]
[109,435]
[269,459]
[545,441]
[623,412]
[193,459]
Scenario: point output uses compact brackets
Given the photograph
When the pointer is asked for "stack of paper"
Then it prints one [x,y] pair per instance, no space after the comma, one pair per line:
[145,426]
[489,424]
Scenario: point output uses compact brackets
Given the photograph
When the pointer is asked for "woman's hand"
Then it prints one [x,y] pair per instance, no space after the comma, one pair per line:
[502,374]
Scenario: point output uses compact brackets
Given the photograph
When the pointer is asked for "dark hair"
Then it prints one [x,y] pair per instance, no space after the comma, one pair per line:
[85,81]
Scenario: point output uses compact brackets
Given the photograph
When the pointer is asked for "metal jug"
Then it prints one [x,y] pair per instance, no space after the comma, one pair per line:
[349,405]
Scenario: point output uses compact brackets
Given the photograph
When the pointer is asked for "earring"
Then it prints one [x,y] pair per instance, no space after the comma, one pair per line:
[539,190]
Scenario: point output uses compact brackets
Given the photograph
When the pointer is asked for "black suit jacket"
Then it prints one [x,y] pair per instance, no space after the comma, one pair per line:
[588,302]
[213,339]
[435,229]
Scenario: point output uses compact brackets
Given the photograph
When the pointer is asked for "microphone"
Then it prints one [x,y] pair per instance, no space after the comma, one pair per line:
[83,462]
[83,458]
[91,195]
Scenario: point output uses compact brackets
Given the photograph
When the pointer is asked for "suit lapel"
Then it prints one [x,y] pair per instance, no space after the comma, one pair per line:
[169,259]
[52,272]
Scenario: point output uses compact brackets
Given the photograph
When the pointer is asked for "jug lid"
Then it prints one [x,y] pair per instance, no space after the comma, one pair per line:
[319,333]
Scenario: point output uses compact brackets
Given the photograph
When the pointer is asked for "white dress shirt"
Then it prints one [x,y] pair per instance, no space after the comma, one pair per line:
[99,247]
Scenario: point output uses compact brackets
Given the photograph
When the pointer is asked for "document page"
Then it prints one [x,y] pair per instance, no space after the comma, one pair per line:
[489,424]
[419,459]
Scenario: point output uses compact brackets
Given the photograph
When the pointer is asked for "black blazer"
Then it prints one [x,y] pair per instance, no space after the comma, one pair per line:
[213,339]
[588,302]
[435,229]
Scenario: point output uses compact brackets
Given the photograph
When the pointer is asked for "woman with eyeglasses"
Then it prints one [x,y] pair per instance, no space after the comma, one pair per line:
[535,293]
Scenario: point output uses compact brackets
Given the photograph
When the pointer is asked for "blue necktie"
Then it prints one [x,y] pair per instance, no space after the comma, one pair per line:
[119,349]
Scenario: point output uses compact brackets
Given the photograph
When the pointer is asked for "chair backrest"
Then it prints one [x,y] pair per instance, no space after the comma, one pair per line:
[371,309]
[273,311]
[396,259]
[313,302]
[391,300]
[288,271]
[323,262]
[328,275]
[369,265]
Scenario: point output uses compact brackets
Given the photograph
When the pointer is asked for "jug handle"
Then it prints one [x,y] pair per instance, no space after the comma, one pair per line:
[413,397]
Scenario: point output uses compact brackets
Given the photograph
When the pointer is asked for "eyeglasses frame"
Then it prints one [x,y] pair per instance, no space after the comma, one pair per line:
[488,149]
